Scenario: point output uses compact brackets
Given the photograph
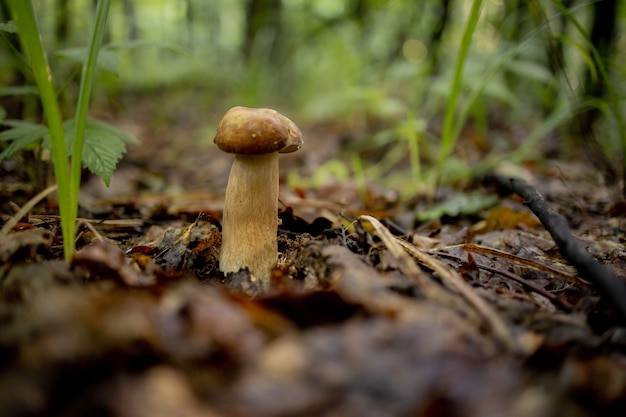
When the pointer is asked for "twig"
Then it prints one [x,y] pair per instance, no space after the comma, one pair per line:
[602,276]
[24,210]
[471,247]
[447,274]
[528,284]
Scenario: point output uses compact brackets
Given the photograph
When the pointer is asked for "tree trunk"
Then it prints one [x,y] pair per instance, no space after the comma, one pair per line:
[262,16]
[603,39]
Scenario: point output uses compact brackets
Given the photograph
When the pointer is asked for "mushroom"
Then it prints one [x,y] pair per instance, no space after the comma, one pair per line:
[250,219]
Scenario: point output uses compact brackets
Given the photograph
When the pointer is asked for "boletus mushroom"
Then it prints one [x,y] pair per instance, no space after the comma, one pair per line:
[250,219]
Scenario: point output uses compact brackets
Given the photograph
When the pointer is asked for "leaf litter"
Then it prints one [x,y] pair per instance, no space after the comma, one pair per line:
[473,317]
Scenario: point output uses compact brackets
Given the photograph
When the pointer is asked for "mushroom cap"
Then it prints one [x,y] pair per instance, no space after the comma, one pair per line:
[251,131]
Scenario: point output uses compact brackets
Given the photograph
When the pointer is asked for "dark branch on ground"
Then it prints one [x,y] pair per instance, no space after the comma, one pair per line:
[602,276]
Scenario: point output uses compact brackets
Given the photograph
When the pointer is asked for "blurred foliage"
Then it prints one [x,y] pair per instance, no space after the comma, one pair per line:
[377,71]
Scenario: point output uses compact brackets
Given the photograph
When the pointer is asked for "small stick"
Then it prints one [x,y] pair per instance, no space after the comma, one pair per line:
[8,226]
[588,267]
[528,284]
[471,247]
[399,247]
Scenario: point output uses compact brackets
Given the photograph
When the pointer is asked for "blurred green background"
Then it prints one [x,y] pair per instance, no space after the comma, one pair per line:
[542,78]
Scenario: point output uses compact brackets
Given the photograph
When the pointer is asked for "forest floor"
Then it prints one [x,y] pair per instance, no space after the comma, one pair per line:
[470,315]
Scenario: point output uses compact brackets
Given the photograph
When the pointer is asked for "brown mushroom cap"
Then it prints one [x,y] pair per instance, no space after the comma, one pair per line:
[250,131]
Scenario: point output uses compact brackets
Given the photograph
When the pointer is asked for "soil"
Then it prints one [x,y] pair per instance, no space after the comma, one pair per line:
[370,312]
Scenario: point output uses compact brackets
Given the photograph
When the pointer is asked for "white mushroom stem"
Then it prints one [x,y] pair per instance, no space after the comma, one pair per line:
[250,219]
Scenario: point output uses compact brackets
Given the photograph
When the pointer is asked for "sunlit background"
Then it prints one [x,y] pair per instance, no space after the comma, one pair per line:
[378,72]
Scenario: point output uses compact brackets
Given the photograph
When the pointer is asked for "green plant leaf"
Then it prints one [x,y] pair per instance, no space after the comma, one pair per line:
[530,70]
[86,83]
[459,204]
[141,44]
[21,134]
[104,146]
[18,90]
[9,27]
[587,57]
[107,60]
[24,14]
[451,123]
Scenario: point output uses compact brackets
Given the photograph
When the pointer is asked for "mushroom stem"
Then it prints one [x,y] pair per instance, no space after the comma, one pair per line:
[250,219]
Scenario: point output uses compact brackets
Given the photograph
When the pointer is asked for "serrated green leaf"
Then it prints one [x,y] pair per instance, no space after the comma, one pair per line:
[107,60]
[21,134]
[9,27]
[104,146]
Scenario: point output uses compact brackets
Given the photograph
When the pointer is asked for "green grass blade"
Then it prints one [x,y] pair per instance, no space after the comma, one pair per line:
[448,137]
[86,83]
[24,15]
[613,99]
